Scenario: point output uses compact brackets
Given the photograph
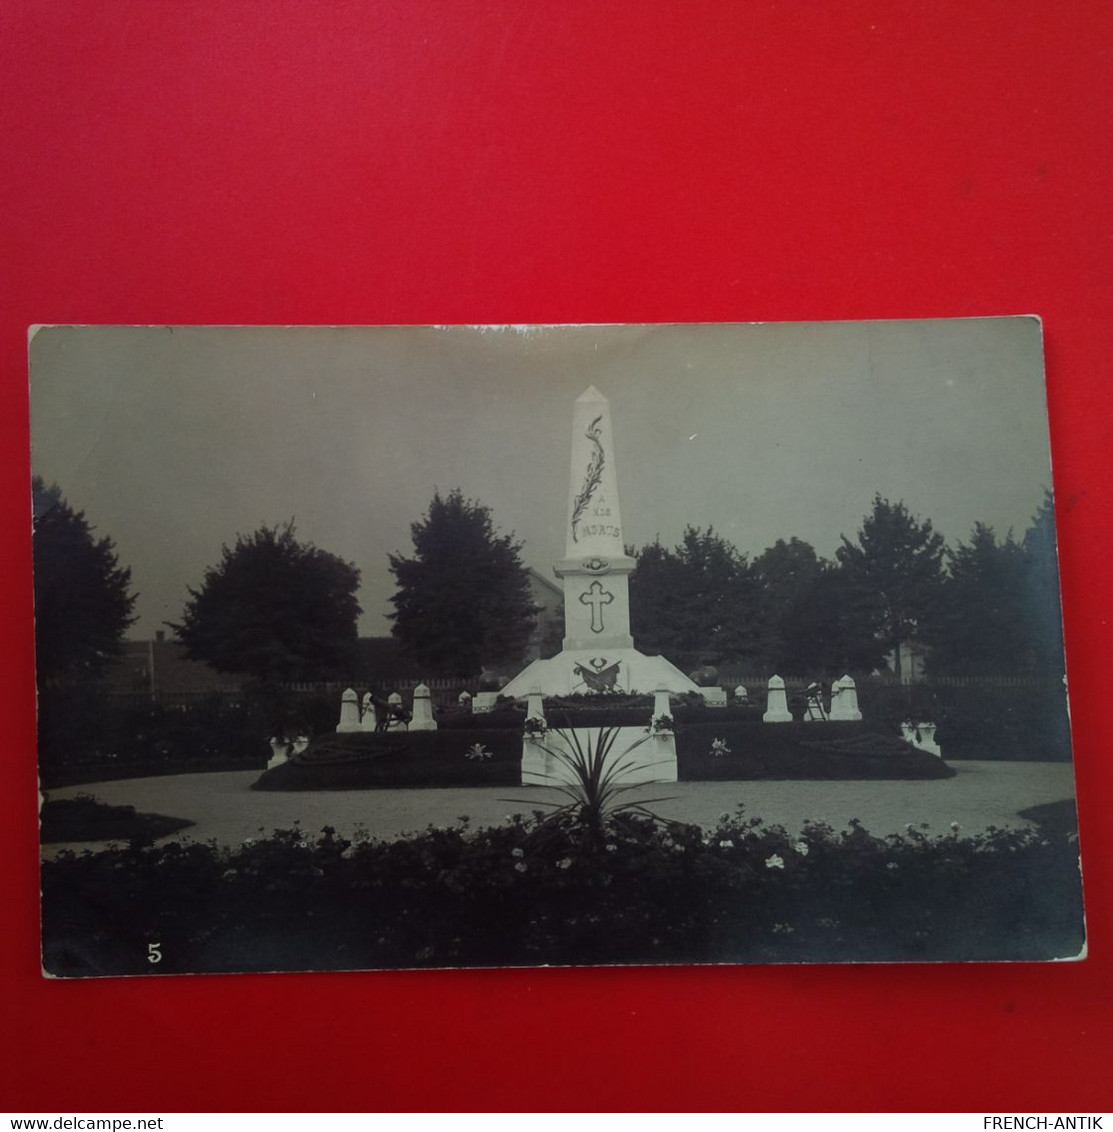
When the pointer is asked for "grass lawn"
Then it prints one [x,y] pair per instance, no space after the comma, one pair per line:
[85,819]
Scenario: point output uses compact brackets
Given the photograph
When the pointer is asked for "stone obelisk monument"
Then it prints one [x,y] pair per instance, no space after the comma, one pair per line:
[598,652]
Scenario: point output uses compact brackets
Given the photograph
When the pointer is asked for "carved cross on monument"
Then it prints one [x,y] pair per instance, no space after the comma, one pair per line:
[596,597]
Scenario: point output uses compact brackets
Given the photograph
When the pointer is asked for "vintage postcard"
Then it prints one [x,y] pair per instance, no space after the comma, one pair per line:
[371,648]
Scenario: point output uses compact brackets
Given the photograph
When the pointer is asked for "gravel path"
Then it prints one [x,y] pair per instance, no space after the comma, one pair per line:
[226,810]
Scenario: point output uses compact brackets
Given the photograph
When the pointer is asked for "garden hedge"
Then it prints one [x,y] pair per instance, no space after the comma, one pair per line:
[534,892]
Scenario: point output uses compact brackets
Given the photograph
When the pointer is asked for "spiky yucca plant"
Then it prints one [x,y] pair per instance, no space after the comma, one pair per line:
[592,798]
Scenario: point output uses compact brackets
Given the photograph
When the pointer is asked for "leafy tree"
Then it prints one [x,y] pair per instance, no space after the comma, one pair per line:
[982,625]
[463,599]
[695,603]
[274,609]
[83,598]
[894,573]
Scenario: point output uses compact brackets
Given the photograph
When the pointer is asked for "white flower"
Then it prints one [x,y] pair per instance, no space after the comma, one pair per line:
[801,847]
[955,827]
[248,842]
[564,863]
[774,862]
[612,848]
[520,867]
[892,865]
[728,844]
[517,852]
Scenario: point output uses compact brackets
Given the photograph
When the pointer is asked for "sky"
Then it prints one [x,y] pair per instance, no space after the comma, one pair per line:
[175,440]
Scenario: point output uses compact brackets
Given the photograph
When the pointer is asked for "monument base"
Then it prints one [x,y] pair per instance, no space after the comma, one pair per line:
[587,671]
[640,758]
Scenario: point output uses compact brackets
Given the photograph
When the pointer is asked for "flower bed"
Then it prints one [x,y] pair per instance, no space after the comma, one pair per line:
[415,758]
[799,750]
[630,890]
[753,751]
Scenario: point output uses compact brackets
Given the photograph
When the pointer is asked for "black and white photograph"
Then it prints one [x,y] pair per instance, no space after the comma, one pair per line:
[366,648]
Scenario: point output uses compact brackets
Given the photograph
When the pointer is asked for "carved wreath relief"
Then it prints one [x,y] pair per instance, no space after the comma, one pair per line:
[601,676]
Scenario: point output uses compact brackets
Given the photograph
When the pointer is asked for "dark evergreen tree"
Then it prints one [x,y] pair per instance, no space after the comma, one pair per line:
[982,625]
[893,574]
[694,604]
[83,599]
[785,575]
[826,632]
[1043,608]
[274,609]
[463,600]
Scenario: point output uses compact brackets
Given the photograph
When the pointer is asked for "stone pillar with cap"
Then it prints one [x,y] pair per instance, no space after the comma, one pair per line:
[844,701]
[661,703]
[423,710]
[535,709]
[349,712]
[776,708]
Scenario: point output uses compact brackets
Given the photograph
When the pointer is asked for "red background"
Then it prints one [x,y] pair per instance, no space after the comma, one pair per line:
[547,162]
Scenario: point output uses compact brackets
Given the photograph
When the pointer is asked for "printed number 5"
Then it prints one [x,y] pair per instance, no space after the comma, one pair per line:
[154,953]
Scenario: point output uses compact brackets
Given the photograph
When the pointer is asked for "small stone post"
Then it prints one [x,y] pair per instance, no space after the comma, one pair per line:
[280,753]
[844,700]
[661,703]
[423,710]
[927,739]
[349,712]
[465,700]
[535,709]
[394,700]
[776,708]
[741,695]
[368,720]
